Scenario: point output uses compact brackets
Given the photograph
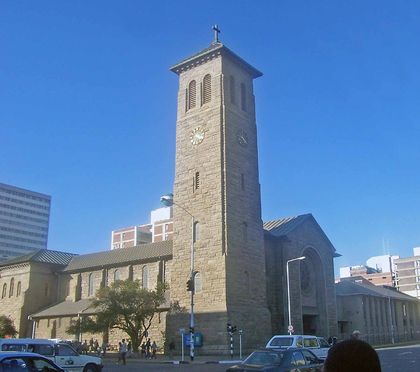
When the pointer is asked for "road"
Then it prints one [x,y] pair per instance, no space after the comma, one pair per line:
[402,359]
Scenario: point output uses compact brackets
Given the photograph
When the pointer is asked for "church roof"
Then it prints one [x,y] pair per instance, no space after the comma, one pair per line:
[142,252]
[215,49]
[67,308]
[351,288]
[284,225]
[43,256]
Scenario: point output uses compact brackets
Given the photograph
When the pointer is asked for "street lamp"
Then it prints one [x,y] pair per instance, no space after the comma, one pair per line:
[168,201]
[290,327]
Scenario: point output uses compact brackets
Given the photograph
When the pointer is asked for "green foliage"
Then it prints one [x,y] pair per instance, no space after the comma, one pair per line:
[82,325]
[7,327]
[125,305]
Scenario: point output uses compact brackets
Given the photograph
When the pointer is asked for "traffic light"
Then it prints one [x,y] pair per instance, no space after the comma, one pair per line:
[191,329]
[190,285]
[228,327]
[233,329]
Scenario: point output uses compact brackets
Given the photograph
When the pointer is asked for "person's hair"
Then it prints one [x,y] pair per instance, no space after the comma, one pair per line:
[352,356]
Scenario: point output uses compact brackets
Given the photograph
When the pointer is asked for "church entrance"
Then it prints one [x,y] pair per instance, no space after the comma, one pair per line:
[310,324]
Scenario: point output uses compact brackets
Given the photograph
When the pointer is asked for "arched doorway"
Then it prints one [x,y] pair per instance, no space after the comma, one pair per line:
[313,298]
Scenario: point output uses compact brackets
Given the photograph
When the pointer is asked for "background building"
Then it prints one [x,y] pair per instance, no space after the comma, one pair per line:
[408,274]
[162,224]
[24,221]
[131,236]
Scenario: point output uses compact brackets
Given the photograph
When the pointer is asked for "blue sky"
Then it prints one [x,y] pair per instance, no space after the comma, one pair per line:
[88,110]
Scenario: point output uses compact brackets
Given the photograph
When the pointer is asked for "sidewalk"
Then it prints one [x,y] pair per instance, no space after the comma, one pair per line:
[112,357]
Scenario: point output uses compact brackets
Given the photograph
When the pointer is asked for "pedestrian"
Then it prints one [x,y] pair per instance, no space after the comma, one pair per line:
[123,351]
[96,346]
[154,350]
[103,347]
[91,344]
[129,347]
[119,352]
[352,356]
[148,345]
[171,349]
[143,350]
[85,347]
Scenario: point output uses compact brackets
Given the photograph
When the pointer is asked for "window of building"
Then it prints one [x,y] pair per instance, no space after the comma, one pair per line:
[243,97]
[197,180]
[130,272]
[59,322]
[12,287]
[3,293]
[196,231]
[145,277]
[247,288]
[192,95]
[18,289]
[117,275]
[242,182]
[244,227]
[90,285]
[198,283]
[232,89]
[46,290]
[48,323]
[206,89]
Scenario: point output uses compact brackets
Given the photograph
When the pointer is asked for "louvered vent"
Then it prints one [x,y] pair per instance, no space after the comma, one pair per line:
[206,89]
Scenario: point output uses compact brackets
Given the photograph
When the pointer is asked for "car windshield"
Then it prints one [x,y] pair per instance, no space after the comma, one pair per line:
[282,341]
[264,357]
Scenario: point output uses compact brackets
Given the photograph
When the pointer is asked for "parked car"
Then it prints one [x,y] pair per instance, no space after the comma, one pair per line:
[280,360]
[26,362]
[60,353]
[318,345]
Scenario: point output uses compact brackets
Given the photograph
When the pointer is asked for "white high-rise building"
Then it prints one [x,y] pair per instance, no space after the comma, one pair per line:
[24,221]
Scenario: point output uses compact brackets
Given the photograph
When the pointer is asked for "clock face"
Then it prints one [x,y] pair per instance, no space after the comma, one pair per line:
[197,135]
[242,138]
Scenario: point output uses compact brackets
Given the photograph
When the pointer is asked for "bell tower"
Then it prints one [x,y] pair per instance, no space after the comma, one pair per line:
[217,182]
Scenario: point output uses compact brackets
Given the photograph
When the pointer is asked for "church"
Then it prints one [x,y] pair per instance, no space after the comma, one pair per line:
[241,264]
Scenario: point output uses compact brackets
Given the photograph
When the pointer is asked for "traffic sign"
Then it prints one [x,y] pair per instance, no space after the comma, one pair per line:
[290,329]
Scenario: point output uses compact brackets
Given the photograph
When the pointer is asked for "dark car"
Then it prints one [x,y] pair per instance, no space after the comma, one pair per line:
[280,360]
[12,361]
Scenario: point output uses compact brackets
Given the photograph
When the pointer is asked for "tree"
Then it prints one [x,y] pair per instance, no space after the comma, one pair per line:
[124,305]
[7,328]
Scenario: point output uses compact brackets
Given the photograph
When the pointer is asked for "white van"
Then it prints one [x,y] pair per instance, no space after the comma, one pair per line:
[318,345]
[60,353]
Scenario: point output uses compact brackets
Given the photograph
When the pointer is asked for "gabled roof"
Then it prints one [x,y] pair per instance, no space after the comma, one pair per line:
[215,48]
[43,256]
[285,225]
[350,288]
[67,308]
[142,252]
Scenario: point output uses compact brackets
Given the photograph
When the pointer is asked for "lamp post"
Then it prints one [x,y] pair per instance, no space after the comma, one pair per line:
[168,201]
[290,327]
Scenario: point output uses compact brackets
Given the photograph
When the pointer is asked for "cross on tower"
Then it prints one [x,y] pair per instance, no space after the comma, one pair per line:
[216,34]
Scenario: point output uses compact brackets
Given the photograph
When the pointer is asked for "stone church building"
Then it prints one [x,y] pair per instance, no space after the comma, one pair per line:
[240,262]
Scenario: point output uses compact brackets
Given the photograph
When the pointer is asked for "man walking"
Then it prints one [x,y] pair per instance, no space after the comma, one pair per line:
[123,351]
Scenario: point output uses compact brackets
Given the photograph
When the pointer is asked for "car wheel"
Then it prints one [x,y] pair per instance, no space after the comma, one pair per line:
[90,368]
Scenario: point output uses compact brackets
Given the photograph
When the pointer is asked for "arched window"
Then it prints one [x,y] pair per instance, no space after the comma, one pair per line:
[243,97]
[206,89]
[232,89]
[90,285]
[18,289]
[145,277]
[46,290]
[130,272]
[244,227]
[192,94]
[12,287]
[198,283]
[117,275]
[247,289]
[3,293]
[196,231]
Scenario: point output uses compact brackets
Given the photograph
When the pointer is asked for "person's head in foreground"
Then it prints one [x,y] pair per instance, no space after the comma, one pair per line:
[352,356]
